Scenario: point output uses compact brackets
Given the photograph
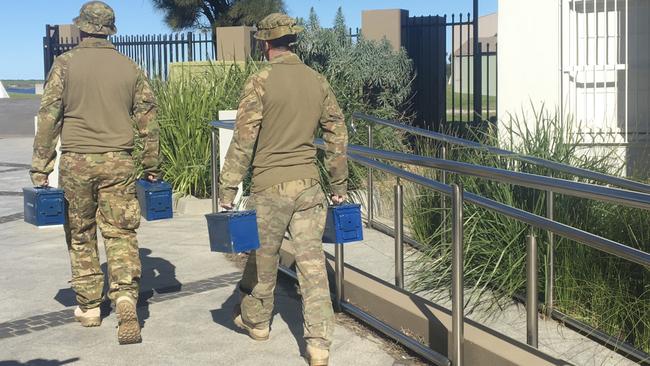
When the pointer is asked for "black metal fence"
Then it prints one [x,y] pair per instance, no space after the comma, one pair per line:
[153,53]
[446,80]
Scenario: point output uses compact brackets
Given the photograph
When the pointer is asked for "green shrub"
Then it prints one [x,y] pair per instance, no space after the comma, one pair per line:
[186,104]
[606,292]
[366,76]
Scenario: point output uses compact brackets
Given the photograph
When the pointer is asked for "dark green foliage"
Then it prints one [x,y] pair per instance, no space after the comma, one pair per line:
[185,106]
[183,14]
[366,76]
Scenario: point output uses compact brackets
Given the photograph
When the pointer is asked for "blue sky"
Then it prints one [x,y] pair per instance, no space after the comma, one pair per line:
[22,23]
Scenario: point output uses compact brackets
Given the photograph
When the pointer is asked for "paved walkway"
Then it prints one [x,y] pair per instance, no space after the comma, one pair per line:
[186,298]
[376,256]
[17,116]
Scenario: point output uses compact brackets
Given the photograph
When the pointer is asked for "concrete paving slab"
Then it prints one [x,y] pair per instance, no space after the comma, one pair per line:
[17,116]
[192,326]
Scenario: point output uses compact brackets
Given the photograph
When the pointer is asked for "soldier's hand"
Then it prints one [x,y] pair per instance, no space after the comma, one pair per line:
[152,178]
[227,206]
[40,180]
[337,200]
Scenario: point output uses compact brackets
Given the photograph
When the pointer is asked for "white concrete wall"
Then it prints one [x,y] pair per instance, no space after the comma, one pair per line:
[528,59]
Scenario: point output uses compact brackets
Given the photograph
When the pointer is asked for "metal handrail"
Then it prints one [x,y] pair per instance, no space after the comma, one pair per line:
[565,168]
[360,155]
[558,185]
[569,232]
[635,199]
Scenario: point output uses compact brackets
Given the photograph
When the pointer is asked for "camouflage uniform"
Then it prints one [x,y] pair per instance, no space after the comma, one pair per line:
[92,98]
[282,107]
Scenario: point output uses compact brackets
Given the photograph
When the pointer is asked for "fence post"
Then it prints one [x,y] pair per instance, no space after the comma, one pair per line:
[550,253]
[215,170]
[531,290]
[48,51]
[370,187]
[457,301]
[190,46]
[339,268]
[478,69]
[399,234]
[443,198]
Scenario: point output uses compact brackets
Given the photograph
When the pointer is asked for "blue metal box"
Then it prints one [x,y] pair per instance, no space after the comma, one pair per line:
[155,199]
[233,231]
[44,206]
[343,224]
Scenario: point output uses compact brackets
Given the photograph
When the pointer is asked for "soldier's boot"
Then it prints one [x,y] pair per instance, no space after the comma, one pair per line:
[89,318]
[317,356]
[128,328]
[261,333]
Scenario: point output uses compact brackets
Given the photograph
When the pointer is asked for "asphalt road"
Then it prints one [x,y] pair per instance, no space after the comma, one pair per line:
[17,117]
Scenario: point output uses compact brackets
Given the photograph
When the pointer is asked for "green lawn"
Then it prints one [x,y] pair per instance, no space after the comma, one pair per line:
[20,83]
[468,100]
[23,96]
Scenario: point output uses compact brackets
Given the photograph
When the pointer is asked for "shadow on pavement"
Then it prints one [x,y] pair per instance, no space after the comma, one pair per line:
[158,274]
[224,314]
[287,305]
[39,362]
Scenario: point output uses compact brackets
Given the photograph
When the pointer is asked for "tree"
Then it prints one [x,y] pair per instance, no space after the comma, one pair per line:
[202,14]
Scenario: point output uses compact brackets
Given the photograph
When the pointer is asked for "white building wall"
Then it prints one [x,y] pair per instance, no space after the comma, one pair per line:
[588,59]
[528,58]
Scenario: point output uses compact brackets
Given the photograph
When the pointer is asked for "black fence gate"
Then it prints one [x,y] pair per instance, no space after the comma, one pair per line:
[424,42]
[153,53]
[457,86]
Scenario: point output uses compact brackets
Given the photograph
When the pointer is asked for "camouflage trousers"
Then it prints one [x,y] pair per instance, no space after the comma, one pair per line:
[100,191]
[299,207]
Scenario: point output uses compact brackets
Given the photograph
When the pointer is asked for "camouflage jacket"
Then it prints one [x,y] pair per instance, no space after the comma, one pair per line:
[88,122]
[280,112]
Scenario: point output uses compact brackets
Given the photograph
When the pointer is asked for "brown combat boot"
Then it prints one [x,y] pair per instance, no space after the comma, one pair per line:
[317,356]
[258,334]
[89,318]
[128,327]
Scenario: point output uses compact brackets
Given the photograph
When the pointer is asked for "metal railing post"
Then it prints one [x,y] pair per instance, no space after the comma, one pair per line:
[215,170]
[550,260]
[399,234]
[339,267]
[531,291]
[457,305]
[443,198]
[370,182]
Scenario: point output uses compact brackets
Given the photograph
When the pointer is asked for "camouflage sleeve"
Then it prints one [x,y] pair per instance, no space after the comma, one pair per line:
[240,152]
[144,113]
[50,121]
[335,135]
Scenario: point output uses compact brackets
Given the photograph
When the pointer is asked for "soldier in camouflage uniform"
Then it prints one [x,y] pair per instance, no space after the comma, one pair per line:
[92,98]
[282,107]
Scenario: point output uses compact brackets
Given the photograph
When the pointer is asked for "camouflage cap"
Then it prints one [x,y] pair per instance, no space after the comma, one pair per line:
[277,25]
[96,17]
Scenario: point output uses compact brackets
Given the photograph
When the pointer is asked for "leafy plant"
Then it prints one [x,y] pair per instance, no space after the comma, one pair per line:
[366,76]
[606,292]
[185,106]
